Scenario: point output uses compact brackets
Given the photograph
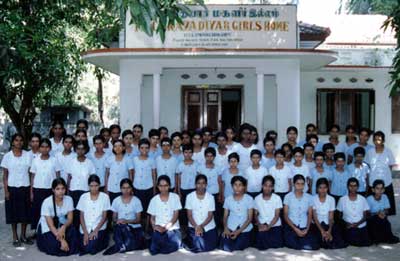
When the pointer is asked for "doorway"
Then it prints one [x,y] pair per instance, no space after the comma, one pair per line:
[216,106]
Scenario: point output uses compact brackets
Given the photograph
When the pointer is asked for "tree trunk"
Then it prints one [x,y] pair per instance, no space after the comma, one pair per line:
[100,99]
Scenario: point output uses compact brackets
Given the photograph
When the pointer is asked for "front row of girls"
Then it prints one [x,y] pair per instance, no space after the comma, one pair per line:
[308,221]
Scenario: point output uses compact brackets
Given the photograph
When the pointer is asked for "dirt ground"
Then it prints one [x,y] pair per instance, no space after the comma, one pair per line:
[380,252]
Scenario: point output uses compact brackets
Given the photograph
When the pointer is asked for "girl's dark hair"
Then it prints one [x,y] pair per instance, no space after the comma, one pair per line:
[379,134]
[126,133]
[221,134]
[126,181]
[210,150]
[334,126]
[140,126]
[55,123]
[239,178]
[268,139]
[115,126]
[45,141]
[287,145]
[165,178]
[80,143]
[298,150]
[187,147]
[359,150]
[254,129]
[367,130]
[68,136]
[144,141]
[255,152]
[93,178]
[328,146]
[297,177]
[154,132]
[35,135]
[279,152]
[308,145]
[80,131]
[98,137]
[271,133]
[322,181]
[244,126]
[123,144]
[58,181]
[200,177]
[312,136]
[291,128]
[103,130]
[176,134]
[163,128]
[352,180]
[15,136]
[378,182]
[85,122]
[234,155]
[339,155]
[269,178]
[319,154]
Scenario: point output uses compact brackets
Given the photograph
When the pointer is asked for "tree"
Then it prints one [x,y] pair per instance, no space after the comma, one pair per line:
[390,8]
[40,52]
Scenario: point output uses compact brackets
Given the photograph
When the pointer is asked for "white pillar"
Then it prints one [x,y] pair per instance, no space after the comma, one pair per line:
[260,103]
[288,97]
[130,94]
[156,100]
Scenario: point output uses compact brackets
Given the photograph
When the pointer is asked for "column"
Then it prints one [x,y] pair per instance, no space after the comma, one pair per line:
[156,100]
[288,97]
[260,103]
[130,94]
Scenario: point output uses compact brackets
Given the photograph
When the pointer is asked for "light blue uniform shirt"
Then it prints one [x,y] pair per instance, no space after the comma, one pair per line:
[350,150]
[127,211]
[360,174]
[153,154]
[212,175]
[188,173]
[339,182]
[99,165]
[118,171]
[267,162]
[238,212]
[143,178]
[298,208]
[179,157]
[315,176]
[167,167]
[376,206]
[226,178]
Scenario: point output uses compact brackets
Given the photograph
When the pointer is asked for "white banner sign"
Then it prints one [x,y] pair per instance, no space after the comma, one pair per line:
[225,26]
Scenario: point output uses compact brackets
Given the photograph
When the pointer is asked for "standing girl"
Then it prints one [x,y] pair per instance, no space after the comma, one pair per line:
[238,214]
[44,170]
[230,133]
[164,210]
[93,207]
[319,171]
[56,235]
[65,156]
[282,175]
[118,167]
[297,211]
[34,145]
[176,150]
[57,133]
[166,164]
[268,158]
[15,165]
[228,174]
[99,158]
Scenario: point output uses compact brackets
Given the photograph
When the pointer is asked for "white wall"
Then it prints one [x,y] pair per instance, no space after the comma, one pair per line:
[171,95]
[309,85]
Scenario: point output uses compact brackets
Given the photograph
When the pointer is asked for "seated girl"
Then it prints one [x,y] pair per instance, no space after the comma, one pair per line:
[164,210]
[268,207]
[379,227]
[297,212]
[127,209]
[353,211]
[93,207]
[56,235]
[238,214]
[325,229]
[200,206]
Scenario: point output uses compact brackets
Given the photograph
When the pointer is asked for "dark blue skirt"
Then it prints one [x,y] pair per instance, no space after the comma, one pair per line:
[165,243]
[128,238]
[207,242]
[39,195]
[253,194]
[380,230]
[113,196]
[357,236]
[18,206]
[272,238]
[292,240]
[48,243]
[337,238]
[240,243]
[94,246]
[144,196]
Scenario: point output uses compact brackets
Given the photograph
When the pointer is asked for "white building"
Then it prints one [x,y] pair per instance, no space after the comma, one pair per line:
[231,64]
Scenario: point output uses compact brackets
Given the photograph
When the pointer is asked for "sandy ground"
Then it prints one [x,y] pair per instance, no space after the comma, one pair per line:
[380,252]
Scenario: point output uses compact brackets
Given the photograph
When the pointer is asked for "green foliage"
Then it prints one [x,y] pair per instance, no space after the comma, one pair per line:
[384,7]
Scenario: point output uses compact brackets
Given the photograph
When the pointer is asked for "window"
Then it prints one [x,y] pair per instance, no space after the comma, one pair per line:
[344,107]
[396,113]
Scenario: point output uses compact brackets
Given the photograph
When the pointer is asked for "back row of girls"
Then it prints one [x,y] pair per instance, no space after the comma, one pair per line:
[28,175]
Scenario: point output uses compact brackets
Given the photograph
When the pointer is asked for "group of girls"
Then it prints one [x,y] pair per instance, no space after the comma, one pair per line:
[165,192]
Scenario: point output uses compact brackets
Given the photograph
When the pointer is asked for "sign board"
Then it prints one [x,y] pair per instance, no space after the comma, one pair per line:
[225,26]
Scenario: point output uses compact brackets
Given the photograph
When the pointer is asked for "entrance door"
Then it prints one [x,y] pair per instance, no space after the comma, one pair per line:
[216,108]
